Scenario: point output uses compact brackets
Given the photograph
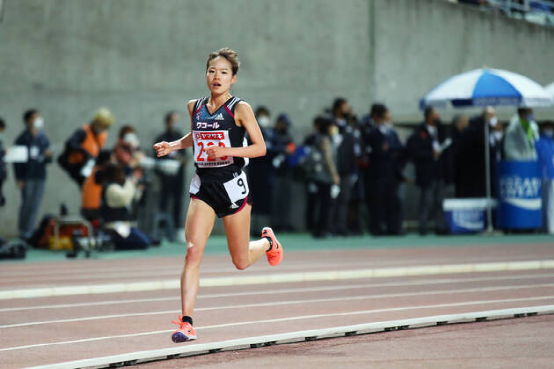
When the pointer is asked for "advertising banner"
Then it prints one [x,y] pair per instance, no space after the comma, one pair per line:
[519,190]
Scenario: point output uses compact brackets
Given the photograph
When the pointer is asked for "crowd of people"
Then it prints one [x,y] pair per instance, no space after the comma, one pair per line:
[348,163]
[348,167]
[111,181]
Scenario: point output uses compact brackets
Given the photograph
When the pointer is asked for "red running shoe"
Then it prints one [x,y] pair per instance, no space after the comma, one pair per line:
[184,333]
[275,254]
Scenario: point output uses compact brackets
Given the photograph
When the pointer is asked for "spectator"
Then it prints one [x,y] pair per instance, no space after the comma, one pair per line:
[173,185]
[324,174]
[521,136]
[384,172]
[499,134]
[470,156]
[284,148]
[310,163]
[118,194]
[3,169]
[347,142]
[91,195]
[31,175]
[126,151]
[460,123]
[84,145]
[545,151]
[425,146]
[262,175]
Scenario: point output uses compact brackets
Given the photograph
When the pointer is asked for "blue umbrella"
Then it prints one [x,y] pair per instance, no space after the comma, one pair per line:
[481,87]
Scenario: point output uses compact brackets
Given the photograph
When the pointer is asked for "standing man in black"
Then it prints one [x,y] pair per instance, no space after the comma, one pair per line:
[173,185]
[426,146]
[385,173]
[470,156]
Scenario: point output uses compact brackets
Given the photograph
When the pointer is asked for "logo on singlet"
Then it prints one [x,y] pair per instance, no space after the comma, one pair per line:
[219,117]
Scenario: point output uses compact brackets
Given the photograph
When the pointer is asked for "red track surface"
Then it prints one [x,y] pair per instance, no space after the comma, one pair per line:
[31,332]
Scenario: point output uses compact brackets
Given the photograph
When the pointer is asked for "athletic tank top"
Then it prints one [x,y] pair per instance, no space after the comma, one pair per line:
[219,129]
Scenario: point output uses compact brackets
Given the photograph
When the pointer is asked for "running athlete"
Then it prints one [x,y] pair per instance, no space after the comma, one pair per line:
[219,186]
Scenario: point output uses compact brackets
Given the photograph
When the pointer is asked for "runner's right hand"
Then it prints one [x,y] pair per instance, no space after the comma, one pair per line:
[162,148]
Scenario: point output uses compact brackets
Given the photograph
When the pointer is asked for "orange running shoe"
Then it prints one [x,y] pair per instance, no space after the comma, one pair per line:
[184,333]
[275,254]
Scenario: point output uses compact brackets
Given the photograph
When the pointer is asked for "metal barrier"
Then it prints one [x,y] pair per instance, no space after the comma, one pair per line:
[535,11]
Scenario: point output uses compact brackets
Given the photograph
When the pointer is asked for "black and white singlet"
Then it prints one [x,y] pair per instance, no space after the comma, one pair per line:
[220,182]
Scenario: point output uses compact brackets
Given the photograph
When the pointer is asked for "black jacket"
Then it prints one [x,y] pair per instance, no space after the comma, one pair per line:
[384,163]
[35,167]
[470,161]
[420,146]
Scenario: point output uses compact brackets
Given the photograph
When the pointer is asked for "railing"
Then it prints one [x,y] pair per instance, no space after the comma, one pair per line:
[536,11]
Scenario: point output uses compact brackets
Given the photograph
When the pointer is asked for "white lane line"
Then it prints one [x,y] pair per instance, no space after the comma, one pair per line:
[282,278]
[424,282]
[171,270]
[241,343]
[292,318]
[280,303]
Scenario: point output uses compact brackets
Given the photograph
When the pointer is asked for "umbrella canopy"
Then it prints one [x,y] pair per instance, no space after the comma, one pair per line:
[481,87]
[550,88]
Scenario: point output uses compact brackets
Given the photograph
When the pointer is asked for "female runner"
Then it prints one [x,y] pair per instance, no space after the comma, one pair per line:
[219,186]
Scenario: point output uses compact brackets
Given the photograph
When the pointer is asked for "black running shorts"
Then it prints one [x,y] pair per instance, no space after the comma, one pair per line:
[224,191]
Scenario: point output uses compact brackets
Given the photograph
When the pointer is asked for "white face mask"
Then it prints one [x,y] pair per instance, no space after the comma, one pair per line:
[549,132]
[131,139]
[498,135]
[264,121]
[493,121]
[38,123]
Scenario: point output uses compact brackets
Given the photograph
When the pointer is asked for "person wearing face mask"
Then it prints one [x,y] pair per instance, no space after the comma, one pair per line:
[469,158]
[282,143]
[346,137]
[118,195]
[261,174]
[545,151]
[84,145]
[327,179]
[172,186]
[126,151]
[521,136]
[425,147]
[3,169]
[31,175]
[384,174]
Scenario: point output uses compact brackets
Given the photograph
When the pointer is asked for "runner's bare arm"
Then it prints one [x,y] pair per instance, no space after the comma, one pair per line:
[164,148]
[244,117]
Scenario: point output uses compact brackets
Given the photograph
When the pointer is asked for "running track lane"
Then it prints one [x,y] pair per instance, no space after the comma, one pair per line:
[49,330]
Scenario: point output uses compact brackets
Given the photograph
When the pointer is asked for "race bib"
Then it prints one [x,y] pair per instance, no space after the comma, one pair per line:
[203,140]
[237,188]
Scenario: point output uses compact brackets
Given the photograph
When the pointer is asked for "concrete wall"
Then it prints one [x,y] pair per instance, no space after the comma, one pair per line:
[420,43]
[141,58]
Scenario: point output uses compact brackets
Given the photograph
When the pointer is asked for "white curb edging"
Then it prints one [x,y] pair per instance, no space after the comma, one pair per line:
[309,335]
[280,278]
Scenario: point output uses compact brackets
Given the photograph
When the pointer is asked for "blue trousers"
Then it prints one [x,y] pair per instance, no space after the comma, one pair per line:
[31,197]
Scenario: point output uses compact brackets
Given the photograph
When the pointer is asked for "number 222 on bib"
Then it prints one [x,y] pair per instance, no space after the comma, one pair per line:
[203,140]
